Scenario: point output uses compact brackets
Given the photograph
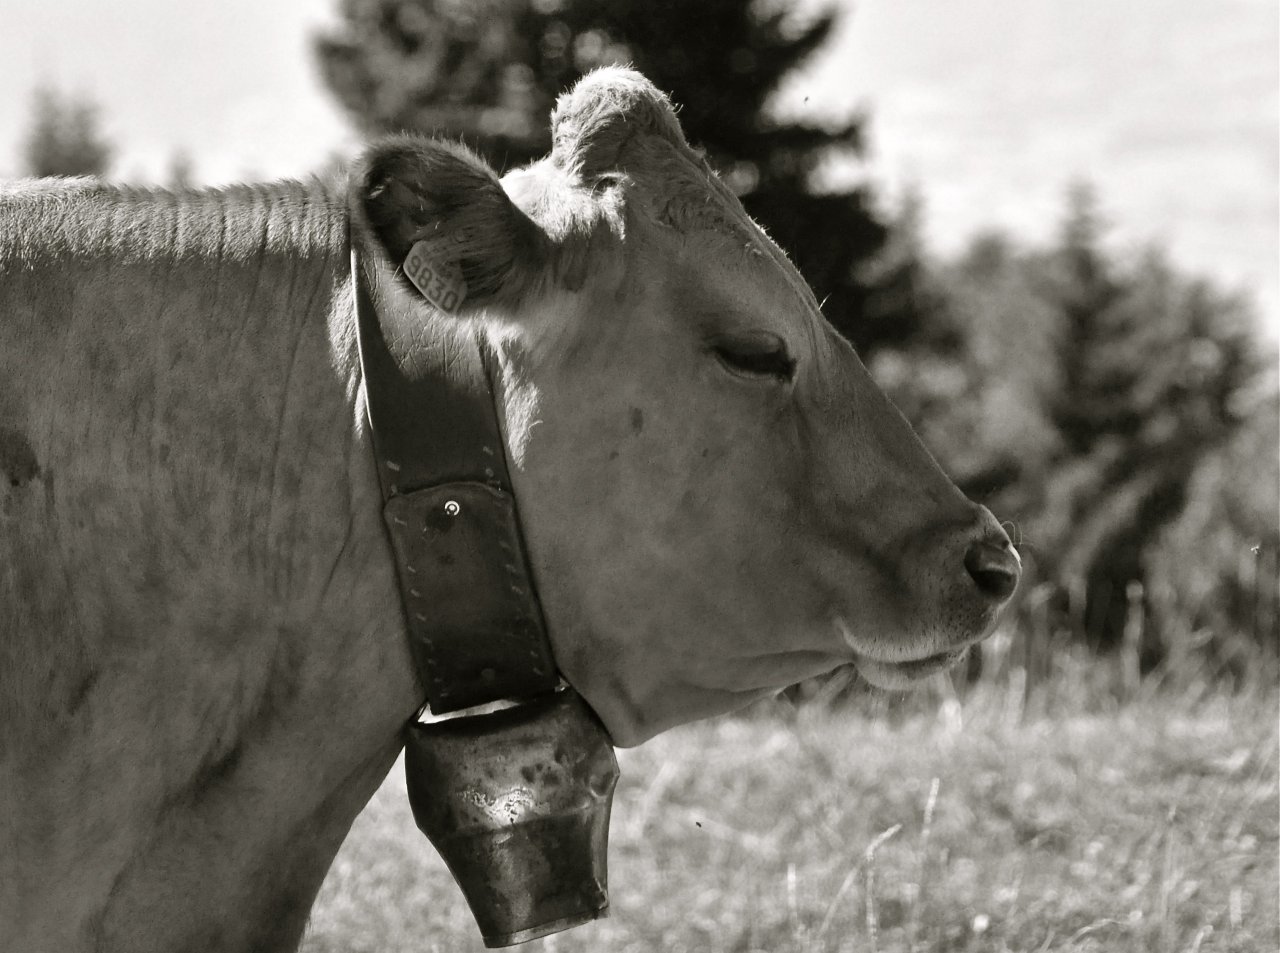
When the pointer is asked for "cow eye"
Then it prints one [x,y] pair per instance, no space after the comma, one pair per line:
[757,357]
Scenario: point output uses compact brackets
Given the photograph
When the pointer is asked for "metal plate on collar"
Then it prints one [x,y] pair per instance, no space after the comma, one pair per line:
[475,628]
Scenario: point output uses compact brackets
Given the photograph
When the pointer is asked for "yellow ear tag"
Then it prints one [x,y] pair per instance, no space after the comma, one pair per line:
[440,282]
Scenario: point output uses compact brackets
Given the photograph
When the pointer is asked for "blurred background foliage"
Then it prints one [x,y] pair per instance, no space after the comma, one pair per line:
[64,138]
[1121,415]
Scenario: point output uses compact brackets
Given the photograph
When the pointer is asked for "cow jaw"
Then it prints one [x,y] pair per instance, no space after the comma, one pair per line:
[900,676]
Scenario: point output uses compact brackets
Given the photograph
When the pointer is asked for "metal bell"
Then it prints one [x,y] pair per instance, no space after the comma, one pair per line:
[517,803]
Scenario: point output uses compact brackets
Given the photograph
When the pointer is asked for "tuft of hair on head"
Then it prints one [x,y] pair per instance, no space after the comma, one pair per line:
[593,124]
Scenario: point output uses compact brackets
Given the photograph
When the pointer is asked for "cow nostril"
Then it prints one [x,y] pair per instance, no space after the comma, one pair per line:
[995,567]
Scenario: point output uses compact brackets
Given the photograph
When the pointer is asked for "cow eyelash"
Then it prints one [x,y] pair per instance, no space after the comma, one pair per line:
[756,359]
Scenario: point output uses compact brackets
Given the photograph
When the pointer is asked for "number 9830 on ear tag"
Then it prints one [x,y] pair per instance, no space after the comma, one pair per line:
[440,282]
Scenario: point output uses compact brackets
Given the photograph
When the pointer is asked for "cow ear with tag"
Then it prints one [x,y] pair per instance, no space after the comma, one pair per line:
[437,213]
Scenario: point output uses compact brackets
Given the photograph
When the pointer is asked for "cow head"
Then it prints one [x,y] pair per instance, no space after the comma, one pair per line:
[717,499]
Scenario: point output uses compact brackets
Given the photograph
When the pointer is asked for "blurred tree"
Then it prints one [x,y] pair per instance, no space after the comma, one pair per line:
[1081,285]
[1089,400]
[64,138]
[906,298]
[975,381]
[1095,390]
[489,71]
[1214,574]
[181,173]
[461,68]
[1150,368]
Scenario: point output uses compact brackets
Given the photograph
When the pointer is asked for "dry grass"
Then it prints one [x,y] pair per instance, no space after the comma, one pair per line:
[1149,828]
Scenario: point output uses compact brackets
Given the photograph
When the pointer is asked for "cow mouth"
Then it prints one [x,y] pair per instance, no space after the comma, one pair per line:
[897,676]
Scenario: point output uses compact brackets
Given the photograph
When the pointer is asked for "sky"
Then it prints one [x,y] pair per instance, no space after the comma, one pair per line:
[989,108]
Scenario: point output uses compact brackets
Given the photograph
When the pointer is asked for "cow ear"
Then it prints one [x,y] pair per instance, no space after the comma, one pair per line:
[441,218]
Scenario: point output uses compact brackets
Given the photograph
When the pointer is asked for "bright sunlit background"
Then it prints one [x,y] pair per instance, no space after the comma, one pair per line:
[989,107]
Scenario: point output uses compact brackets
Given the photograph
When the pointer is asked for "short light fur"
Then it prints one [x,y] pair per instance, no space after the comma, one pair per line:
[203,668]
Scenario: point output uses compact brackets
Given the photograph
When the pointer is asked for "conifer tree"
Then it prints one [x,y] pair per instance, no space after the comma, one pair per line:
[1089,399]
[1083,288]
[64,138]
[1150,368]
[906,301]
[489,72]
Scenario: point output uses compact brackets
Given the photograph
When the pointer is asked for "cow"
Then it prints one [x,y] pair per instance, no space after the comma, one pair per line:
[204,673]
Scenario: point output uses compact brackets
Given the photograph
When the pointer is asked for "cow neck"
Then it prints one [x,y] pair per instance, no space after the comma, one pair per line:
[474,622]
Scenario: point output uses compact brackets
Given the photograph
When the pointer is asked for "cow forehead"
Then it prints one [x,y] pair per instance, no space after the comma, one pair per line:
[731,277]
[668,210]
[733,285]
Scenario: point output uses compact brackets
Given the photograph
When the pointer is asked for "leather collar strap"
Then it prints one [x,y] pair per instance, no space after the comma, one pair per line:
[475,624]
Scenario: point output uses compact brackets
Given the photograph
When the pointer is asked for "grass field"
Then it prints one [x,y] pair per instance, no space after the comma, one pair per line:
[1150,827]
